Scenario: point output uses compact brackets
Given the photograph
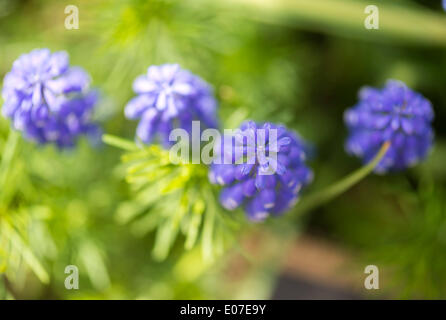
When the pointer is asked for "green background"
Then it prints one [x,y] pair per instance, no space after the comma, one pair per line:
[297,62]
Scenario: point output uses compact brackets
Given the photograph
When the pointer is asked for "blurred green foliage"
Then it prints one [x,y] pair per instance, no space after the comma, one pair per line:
[172,196]
[297,62]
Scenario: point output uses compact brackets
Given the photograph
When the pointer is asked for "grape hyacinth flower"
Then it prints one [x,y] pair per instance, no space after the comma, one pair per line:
[169,97]
[47,100]
[394,114]
[248,180]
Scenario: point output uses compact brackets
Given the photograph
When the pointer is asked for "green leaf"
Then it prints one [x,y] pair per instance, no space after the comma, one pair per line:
[170,199]
[397,22]
[119,142]
[19,247]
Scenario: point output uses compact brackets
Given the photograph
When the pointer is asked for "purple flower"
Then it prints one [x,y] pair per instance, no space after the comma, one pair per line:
[265,172]
[396,114]
[47,99]
[169,97]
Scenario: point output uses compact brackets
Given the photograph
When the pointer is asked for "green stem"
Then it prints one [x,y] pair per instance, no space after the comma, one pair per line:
[119,142]
[319,198]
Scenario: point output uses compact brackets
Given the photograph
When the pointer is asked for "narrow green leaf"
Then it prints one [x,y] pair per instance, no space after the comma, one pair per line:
[7,156]
[119,142]
[26,253]
[399,22]
[208,228]
[193,228]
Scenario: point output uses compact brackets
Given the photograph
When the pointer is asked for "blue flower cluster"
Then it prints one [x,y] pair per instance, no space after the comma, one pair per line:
[169,97]
[265,173]
[48,100]
[394,114]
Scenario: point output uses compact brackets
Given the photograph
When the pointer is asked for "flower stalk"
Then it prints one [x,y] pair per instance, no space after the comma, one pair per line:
[319,198]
